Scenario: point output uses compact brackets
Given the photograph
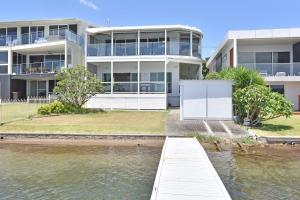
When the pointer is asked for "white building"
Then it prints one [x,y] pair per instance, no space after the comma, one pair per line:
[141,66]
[275,53]
[33,51]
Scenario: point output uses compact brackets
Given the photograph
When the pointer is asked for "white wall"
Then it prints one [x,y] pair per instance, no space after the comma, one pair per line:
[128,101]
[291,92]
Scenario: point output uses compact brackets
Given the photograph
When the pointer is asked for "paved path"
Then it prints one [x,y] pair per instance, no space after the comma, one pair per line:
[175,127]
[186,173]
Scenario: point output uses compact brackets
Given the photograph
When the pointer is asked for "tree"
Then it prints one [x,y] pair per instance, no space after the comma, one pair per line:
[258,103]
[241,77]
[76,86]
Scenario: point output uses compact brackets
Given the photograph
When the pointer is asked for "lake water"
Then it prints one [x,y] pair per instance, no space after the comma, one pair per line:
[77,172]
[261,174]
[128,172]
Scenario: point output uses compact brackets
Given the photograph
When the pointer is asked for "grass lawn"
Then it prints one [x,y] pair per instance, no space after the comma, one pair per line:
[16,111]
[115,122]
[280,127]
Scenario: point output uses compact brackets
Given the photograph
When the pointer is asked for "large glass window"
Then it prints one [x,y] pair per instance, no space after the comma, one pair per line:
[278,88]
[246,57]
[3,69]
[38,88]
[3,57]
[73,28]
[281,57]
[263,57]
[25,35]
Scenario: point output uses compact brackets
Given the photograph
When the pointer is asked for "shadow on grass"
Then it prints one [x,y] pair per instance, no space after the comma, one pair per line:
[275,127]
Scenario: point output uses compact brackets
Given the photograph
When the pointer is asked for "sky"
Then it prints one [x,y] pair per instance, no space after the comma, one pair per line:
[213,17]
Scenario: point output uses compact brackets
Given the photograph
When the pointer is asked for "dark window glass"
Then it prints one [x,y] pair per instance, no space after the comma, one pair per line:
[3,57]
[169,81]
[12,31]
[278,88]
[246,57]
[2,31]
[41,28]
[53,27]
[106,77]
[263,57]
[25,35]
[281,57]
[3,69]
[73,28]
[122,77]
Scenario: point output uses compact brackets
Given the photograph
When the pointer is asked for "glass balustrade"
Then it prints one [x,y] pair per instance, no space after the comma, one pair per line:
[274,69]
[38,67]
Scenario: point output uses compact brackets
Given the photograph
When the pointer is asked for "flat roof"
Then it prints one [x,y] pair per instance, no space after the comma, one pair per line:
[36,21]
[283,33]
[151,27]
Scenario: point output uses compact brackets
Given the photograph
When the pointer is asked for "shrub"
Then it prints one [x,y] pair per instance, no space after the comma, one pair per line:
[213,76]
[57,107]
[258,103]
[44,110]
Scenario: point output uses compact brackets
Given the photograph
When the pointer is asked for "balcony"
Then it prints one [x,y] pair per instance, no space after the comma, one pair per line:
[40,37]
[38,67]
[146,48]
[275,69]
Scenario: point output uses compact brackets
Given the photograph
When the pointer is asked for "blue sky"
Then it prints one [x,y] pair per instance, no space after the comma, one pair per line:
[213,17]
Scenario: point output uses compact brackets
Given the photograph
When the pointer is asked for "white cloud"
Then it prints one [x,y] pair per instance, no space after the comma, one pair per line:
[89,4]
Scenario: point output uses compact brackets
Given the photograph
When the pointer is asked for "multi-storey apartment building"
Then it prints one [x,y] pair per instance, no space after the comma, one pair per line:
[32,52]
[141,66]
[275,53]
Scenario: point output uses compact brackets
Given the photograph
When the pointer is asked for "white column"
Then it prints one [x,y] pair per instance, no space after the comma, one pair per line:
[10,61]
[66,54]
[111,77]
[138,76]
[112,44]
[166,36]
[85,47]
[47,87]
[139,45]
[235,54]
[191,43]
[291,60]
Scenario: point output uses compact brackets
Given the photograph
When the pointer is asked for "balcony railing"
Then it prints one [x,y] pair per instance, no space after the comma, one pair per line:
[146,48]
[38,67]
[274,69]
[40,37]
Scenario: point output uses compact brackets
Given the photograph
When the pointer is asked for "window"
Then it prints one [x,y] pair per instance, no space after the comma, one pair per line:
[169,82]
[281,57]
[263,57]
[106,77]
[246,57]
[3,69]
[278,88]
[73,28]
[25,35]
[157,76]
[3,57]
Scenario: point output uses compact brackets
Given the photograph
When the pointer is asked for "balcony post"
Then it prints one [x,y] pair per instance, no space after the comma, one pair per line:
[166,36]
[138,76]
[111,77]
[139,44]
[66,54]
[10,61]
[112,44]
[191,43]
[235,59]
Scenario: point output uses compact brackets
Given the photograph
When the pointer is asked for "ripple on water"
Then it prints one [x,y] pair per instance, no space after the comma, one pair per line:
[77,172]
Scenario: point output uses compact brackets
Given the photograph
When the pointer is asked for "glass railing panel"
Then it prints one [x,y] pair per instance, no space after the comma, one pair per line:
[152,87]
[99,49]
[265,69]
[281,69]
[296,69]
[106,87]
[250,66]
[152,48]
[125,87]
[179,48]
[2,40]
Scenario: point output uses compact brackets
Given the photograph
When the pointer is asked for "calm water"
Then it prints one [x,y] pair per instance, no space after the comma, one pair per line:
[262,174]
[77,172]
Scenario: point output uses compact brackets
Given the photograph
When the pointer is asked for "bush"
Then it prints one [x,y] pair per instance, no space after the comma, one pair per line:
[213,76]
[258,103]
[58,107]
[44,110]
